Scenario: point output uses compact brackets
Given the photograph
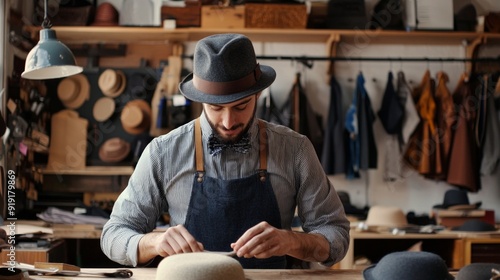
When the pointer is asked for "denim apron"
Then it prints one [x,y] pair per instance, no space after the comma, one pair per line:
[220,211]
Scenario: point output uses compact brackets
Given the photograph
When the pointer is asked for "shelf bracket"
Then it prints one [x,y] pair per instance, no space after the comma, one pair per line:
[331,51]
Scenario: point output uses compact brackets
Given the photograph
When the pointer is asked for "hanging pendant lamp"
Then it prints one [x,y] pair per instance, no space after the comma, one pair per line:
[49,59]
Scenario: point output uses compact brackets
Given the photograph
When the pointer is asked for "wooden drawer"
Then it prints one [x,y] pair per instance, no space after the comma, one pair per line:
[482,250]
[55,253]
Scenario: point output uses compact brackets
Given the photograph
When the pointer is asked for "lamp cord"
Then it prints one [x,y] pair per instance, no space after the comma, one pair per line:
[46,22]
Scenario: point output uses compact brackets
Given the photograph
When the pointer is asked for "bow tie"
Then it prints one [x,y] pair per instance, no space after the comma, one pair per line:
[215,146]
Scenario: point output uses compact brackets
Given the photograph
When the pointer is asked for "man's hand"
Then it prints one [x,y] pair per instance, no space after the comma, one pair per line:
[174,240]
[264,241]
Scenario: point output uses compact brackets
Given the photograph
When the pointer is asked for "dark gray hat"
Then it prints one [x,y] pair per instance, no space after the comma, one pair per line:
[225,69]
[478,271]
[409,265]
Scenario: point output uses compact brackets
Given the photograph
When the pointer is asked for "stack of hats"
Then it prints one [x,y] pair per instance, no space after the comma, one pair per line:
[112,82]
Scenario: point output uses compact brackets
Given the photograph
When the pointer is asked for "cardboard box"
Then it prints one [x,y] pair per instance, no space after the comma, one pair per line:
[187,16]
[275,15]
[213,16]
[453,218]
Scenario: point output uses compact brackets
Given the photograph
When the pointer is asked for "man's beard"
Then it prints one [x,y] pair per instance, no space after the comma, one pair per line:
[239,136]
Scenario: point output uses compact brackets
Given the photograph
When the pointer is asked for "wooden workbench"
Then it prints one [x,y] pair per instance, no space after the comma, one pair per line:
[250,274]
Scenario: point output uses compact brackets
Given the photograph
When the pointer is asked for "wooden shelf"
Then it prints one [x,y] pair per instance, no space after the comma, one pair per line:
[92,34]
[92,170]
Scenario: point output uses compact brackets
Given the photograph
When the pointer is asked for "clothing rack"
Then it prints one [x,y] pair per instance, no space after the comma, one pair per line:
[308,60]
[393,59]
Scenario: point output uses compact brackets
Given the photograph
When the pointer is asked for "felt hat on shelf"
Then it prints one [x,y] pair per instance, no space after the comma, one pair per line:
[106,15]
[386,216]
[455,199]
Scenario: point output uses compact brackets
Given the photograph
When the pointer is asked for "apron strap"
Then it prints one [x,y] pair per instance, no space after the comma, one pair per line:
[198,152]
[263,145]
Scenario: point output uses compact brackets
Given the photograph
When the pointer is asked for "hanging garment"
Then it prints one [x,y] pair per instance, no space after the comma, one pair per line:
[270,112]
[491,149]
[394,163]
[360,117]
[422,149]
[411,117]
[366,118]
[391,114]
[302,117]
[463,168]
[351,125]
[445,120]
[333,157]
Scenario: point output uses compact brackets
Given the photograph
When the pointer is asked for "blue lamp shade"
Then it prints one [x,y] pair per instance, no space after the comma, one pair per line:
[50,59]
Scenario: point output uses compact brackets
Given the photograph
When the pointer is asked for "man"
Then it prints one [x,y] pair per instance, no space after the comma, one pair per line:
[229,181]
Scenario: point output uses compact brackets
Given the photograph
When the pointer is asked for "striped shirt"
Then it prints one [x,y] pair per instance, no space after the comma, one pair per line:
[163,179]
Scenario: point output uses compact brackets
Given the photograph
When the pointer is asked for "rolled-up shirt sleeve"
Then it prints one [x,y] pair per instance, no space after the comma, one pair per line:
[135,212]
[319,206]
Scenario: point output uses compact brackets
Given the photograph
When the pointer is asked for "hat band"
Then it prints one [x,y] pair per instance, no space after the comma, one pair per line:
[224,88]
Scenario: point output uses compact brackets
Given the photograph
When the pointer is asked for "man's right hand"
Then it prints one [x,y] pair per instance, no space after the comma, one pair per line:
[175,240]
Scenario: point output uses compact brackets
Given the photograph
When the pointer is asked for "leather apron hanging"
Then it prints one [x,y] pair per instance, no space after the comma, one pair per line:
[220,211]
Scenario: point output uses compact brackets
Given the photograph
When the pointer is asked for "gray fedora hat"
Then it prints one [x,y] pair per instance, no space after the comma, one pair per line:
[225,69]
[408,265]
[478,271]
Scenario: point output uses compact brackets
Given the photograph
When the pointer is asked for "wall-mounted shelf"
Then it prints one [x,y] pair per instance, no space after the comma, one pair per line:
[92,170]
[90,34]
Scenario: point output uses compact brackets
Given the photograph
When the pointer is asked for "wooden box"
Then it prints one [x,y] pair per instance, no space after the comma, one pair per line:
[188,16]
[454,218]
[292,16]
[213,16]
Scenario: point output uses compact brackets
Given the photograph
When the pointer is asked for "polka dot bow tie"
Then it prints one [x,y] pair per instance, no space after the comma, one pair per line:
[215,146]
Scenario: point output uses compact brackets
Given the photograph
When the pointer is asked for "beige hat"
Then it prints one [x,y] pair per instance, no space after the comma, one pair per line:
[136,116]
[73,91]
[114,150]
[386,216]
[199,266]
[104,107]
[112,82]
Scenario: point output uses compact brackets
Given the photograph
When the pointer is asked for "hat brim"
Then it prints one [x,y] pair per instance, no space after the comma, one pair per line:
[187,89]
[82,95]
[146,110]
